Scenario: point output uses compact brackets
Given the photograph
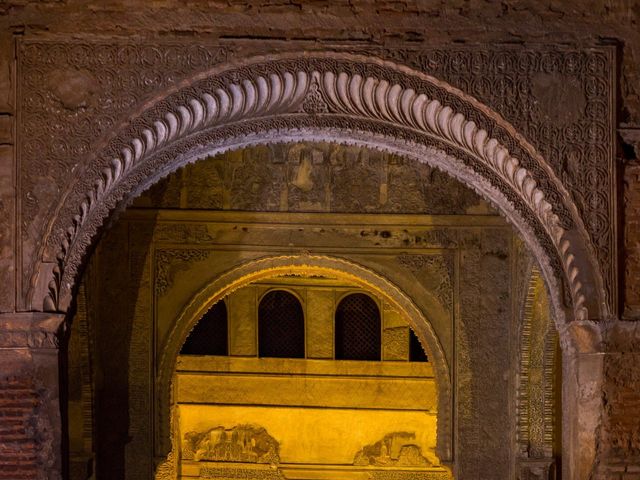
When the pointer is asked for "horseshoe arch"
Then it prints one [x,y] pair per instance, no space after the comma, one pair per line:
[338,98]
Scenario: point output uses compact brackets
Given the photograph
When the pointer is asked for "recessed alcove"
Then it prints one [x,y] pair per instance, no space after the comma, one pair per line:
[315,414]
[463,377]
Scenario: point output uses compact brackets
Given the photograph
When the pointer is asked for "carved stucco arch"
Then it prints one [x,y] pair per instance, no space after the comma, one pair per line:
[338,98]
[266,267]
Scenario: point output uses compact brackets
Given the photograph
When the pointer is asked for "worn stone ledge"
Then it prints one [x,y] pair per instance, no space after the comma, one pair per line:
[30,330]
[611,336]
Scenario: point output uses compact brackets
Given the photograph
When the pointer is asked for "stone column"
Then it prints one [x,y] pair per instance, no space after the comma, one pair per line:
[601,401]
[30,430]
[582,359]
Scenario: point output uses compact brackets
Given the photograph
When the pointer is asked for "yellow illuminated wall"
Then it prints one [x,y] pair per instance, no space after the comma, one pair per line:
[312,418]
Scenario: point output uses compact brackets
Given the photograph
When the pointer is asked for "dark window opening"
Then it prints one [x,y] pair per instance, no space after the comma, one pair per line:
[358,328]
[416,352]
[280,326]
[209,336]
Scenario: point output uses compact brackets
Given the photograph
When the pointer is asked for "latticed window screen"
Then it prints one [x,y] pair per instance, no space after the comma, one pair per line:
[280,326]
[416,352]
[209,336]
[358,329]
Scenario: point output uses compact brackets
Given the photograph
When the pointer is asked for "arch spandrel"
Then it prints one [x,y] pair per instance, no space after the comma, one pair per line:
[340,98]
[267,267]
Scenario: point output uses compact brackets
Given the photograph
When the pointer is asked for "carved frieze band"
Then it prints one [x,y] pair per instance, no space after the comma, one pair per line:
[352,87]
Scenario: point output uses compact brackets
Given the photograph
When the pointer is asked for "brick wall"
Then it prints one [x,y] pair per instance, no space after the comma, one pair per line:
[18,448]
[632,239]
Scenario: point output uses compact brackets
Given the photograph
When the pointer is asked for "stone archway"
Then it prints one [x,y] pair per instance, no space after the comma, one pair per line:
[339,98]
[267,267]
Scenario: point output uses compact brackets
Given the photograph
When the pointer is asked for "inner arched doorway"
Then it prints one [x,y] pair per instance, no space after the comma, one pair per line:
[355,400]
[444,251]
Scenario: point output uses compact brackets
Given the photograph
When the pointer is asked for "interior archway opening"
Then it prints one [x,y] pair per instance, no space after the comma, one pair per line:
[455,260]
[333,411]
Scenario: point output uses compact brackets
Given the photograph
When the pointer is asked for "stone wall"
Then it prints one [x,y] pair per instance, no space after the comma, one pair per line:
[381,23]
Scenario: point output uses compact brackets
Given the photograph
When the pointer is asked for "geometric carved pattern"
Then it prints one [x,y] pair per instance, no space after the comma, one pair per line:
[363,94]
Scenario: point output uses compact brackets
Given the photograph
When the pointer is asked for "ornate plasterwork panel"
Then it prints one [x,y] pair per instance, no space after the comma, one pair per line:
[319,94]
[483,356]
[537,375]
[433,270]
[562,100]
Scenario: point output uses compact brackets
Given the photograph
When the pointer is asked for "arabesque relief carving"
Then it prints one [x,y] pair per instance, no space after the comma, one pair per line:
[434,271]
[531,87]
[314,177]
[407,109]
[242,443]
[170,261]
[397,449]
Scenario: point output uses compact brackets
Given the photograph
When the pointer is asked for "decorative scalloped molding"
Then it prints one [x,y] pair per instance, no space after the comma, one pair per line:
[267,89]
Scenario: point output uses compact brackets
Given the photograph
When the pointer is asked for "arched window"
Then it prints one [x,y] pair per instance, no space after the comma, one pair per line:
[209,336]
[416,352]
[358,329]
[280,326]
